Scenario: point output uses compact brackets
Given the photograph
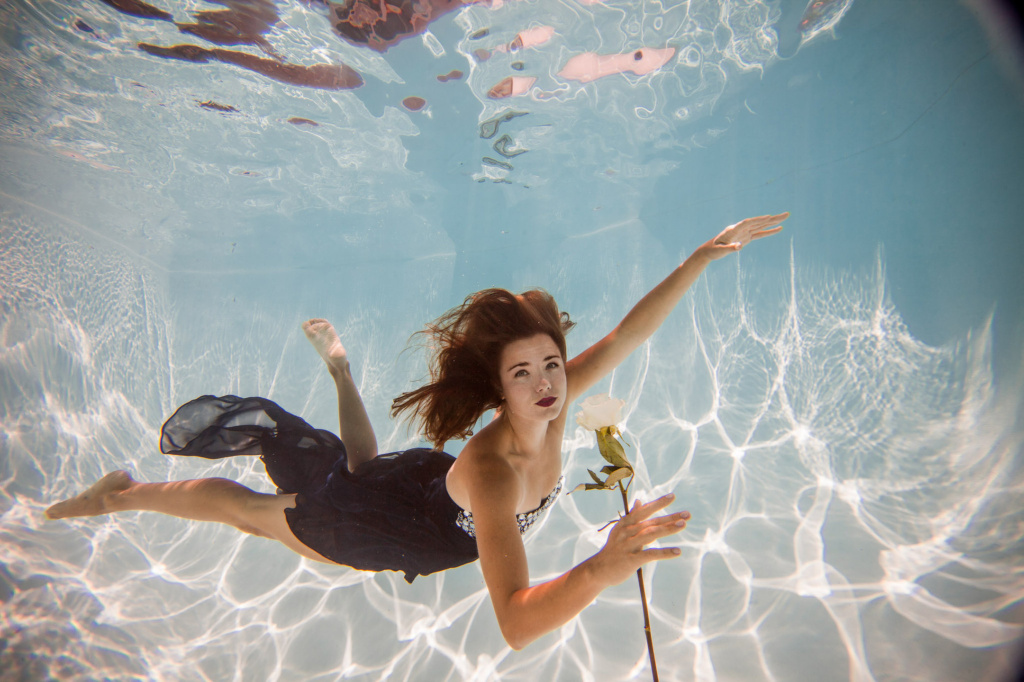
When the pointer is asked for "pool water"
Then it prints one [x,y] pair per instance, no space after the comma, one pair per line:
[839,407]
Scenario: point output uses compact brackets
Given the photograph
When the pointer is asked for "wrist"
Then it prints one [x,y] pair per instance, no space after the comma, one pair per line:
[700,258]
[592,574]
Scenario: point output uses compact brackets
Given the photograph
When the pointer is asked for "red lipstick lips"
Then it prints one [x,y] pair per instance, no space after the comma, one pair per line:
[547,402]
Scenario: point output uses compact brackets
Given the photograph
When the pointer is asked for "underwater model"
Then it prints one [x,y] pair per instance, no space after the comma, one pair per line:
[422,510]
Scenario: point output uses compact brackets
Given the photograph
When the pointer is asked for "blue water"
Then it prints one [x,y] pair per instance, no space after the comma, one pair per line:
[839,407]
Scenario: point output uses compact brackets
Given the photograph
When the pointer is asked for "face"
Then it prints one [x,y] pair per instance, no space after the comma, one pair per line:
[532,375]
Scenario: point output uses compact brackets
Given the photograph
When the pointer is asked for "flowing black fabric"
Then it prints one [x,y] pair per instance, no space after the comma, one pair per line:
[393,513]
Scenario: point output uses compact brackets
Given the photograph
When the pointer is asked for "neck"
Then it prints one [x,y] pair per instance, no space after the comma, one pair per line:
[526,438]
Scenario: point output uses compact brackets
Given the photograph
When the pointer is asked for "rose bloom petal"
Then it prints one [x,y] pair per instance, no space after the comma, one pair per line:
[599,411]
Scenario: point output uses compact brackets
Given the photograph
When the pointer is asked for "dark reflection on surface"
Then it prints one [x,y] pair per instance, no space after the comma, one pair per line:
[497,164]
[243,22]
[217,106]
[137,8]
[323,76]
[414,103]
[379,24]
[489,128]
[452,75]
[506,146]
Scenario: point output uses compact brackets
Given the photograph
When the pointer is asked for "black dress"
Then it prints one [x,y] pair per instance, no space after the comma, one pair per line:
[392,513]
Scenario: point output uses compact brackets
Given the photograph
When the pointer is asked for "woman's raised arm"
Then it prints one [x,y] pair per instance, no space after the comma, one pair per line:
[587,368]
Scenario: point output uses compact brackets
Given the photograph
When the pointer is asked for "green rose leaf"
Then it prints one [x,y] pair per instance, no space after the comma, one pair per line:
[588,486]
[617,476]
[611,449]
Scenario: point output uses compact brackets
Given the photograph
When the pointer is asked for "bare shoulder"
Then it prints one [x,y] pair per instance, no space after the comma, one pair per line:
[482,474]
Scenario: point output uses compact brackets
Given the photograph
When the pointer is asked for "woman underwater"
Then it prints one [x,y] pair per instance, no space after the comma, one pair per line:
[421,510]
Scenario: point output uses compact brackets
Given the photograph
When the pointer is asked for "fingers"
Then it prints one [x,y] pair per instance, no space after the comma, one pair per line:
[765,233]
[655,529]
[736,236]
[661,553]
[641,512]
[638,529]
[762,225]
[766,220]
[662,526]
[626,549]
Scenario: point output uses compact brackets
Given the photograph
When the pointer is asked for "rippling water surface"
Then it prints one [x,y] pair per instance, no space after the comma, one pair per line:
[840,408]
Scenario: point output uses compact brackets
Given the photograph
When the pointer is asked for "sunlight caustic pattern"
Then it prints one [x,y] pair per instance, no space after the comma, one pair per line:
[844,479]
[875,465]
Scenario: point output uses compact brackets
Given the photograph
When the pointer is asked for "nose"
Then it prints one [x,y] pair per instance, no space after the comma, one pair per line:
[543,384]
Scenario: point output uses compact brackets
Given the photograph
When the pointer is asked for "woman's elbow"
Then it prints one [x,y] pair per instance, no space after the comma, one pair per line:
[514,639]
[516,636]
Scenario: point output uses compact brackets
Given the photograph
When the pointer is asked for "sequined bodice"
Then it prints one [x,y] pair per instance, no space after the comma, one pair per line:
[465,518]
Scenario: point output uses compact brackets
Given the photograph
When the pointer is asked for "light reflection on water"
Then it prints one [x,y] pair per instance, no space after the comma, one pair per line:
[856,493]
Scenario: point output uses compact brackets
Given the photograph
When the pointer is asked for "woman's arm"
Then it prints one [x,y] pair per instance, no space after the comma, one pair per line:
[587,368]
[527,612]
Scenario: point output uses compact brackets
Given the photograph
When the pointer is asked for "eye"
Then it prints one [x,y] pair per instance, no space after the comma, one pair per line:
[553,365]
[521,373]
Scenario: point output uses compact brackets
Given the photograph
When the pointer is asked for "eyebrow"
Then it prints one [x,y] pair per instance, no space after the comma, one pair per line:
[524,363]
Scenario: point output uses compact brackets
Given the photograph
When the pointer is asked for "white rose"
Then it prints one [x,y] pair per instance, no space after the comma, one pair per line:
[599,411]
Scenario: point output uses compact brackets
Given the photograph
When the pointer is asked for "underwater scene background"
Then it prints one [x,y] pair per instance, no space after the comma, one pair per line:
[183,183]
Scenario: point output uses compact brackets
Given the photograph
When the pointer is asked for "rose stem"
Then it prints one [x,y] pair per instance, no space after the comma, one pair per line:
[643,599]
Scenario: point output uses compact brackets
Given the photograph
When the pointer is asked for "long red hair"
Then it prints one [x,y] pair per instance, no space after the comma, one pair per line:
[465,345]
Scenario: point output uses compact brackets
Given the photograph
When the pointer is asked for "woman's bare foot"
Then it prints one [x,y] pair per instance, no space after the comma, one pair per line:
[93,501]
[323,337]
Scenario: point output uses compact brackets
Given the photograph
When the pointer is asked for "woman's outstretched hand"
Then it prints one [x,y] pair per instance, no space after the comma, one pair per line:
[735,237]
[624,552]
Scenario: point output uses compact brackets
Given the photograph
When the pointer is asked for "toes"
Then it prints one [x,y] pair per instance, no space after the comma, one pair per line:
[318,328]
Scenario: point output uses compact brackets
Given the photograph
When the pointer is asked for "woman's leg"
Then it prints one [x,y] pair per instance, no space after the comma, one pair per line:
[355,428]
[204,499]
